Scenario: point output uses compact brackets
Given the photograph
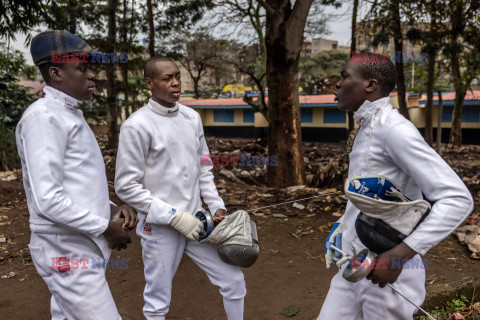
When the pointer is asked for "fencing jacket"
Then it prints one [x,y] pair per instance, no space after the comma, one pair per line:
[387,144]
[159,167]
[63,169]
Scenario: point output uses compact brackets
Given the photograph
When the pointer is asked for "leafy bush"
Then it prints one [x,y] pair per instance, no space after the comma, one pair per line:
[14,99]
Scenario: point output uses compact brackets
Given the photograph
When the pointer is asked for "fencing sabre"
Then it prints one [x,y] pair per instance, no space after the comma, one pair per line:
[354,275]
[281,203]
[208,225]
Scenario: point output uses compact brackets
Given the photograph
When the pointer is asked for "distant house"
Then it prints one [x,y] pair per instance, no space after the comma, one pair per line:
[35,88]
[320,118]
[322,121]
[470,115]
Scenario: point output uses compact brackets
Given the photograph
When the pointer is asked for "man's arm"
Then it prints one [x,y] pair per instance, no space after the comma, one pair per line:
[208,190]
[43,140]
[438,182]
[130,167]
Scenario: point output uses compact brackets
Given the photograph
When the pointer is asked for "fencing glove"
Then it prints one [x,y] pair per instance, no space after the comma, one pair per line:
[187,225]
[334,238]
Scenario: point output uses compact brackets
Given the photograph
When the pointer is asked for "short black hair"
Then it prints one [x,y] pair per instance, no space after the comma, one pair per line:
[149,66]
[44,70]
[377,66]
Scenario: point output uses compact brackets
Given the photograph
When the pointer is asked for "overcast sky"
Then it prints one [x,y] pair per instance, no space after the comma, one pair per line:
[339,26]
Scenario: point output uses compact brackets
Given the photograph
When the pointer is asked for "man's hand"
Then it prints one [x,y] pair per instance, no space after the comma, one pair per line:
[127,213]
[185,223]
[383,272]
[219,215]
[116,236]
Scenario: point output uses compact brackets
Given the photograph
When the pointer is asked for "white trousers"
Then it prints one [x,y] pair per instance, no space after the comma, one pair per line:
[78,285]
[364,300]
[162,250]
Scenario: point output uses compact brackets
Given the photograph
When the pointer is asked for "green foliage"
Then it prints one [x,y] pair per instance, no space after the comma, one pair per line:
[460,305]
[291,311]
[320,72]
[441,82]
[13,101]
[19,16]
[455,305]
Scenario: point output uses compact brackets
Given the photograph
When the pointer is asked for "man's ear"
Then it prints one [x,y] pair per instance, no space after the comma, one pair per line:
[55,74]
[372,85]
[148,82]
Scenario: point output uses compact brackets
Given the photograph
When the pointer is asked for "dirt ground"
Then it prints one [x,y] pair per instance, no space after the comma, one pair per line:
[291,266]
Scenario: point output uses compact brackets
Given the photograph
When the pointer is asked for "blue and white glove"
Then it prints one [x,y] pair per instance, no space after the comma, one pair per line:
[334,238]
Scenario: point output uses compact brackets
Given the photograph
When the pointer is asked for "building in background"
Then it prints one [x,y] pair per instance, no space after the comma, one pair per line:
[313,46]
[322,121]
[365,31]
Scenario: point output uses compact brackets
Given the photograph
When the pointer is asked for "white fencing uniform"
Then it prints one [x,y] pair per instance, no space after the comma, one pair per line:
[67,196]
[389,145]
[159,169]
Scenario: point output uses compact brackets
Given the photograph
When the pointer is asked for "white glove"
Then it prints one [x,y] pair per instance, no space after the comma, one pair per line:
[187,225]
[334,238]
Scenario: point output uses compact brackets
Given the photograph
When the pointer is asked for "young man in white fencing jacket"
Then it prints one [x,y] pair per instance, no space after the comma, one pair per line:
[159,172]
[66,186]
[388,145]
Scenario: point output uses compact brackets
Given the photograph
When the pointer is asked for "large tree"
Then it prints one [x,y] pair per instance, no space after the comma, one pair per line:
[285,26]
[353,48]
[21,16]
[432,40]
[385,24]
[248,17]
[462,50]
[112,108]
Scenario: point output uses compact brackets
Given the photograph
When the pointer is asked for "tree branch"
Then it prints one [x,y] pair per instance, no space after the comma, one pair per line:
[298,17]
[267,7]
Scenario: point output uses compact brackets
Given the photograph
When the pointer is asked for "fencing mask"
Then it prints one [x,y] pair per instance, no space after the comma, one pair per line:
[236,240]
[387,217]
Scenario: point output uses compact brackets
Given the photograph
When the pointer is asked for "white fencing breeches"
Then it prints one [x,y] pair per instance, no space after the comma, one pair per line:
[79,288]
[162,250]
[364,300]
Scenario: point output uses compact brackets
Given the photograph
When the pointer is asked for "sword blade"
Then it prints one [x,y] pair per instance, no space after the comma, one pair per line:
[281,203]
[403,296]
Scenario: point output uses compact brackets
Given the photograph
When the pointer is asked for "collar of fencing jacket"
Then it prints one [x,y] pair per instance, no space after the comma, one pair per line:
[161,110]
[369,109]
[61,98]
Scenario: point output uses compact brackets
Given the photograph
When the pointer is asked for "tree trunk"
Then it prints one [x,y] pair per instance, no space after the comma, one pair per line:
[460,91]
[112,110]
[126,87]
[397,40]
[72,28]
[196,91]
[353,48]
[283,41]
[124,66]
[439,124]
[429,108]
[151,30]
[284,130]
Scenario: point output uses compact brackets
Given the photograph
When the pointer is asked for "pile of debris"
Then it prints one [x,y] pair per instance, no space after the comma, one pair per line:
[325,163]
[10,175]
[469,235]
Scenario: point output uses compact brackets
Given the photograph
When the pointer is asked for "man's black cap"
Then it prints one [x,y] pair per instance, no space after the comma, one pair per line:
[47,42]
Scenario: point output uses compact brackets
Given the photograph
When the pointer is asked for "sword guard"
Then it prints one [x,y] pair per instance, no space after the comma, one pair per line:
[208,224]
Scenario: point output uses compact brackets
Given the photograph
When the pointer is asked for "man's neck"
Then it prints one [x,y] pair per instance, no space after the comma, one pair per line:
[163,104]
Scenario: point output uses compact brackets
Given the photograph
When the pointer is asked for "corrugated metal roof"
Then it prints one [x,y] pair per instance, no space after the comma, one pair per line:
[471,98]
[322,100]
